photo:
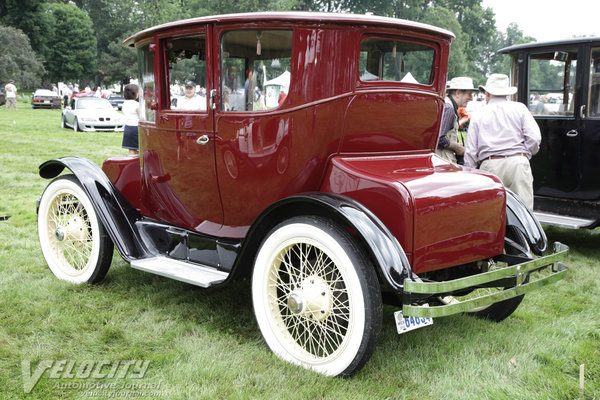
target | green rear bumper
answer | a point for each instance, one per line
(518, 272)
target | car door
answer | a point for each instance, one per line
(555, 97)
(179, 183)
(589, 126)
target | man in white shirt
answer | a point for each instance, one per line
(191, 101)
(11, 95)
(502, 137)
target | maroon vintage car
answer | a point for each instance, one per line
(296, 149)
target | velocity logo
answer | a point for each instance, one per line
(70, 369)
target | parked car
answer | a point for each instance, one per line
(44, 98)
(566, 106)
(331, 200)
(91, 114)
(116, 101)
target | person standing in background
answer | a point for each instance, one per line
(131, 110)
(11, 95)
(502, 137)
(459, 93)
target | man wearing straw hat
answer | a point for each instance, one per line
(459, 93)
(502, 137)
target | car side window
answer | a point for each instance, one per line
(383, 59)
(594, 93)
(552, 78)
(146, 74)
(187, 73)
(255, 69)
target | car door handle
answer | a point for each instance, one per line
(203, 140)
(572, 133)
(213, 103)
(582, 112)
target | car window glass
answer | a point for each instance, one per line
(87, 104)
(187, 73)
(146, 78)
(394, 60)
(552, 82)
(594, 99)
(255, 69)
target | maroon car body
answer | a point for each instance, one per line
(348, 145)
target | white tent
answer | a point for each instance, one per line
(281, 80)
(275, 86)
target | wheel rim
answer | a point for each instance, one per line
(309, 305)
(69, 234)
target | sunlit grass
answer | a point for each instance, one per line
(206, 344)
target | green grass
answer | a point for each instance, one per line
(204, 343)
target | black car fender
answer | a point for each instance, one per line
(522, 218)
(116, 213)
(387, 254)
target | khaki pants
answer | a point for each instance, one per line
(11, 102)
(515, 174)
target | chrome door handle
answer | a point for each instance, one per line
(203, 140)
(572, 133)
(582, 112)
(213, 94)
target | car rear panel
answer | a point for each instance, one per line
(450, 216)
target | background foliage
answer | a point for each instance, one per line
(80, 40)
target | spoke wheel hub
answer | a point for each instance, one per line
(313, 299)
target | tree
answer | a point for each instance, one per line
(26, 15)
(17, 59)
(117, 64)
(73, 52)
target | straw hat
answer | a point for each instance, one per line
(460, 83)
(498, 85)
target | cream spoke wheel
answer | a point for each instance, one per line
(73, 239)
(313, 297)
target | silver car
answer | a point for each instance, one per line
(91, 114)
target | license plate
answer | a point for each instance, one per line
(405, 324)
(47, 101)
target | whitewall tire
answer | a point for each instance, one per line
(73, 240)
(316, 296)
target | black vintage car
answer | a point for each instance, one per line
(560, 82)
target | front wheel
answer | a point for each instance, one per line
(75, 125)
(73, 240)
(316, 296)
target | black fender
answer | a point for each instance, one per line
(522, 218)
(116, 213)
(387, 254)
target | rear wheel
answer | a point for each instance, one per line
(515, 244)
(316, 297)
(73, 240)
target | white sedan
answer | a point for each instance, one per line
(91, 114)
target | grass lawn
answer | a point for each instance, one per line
(204, 343)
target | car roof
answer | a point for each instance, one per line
(553, 43)
(305, 17)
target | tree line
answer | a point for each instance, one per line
(80, 40)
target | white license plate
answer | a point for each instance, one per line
(47, 101)
(405, 324)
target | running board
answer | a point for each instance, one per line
(562, 221)
(198, 275)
